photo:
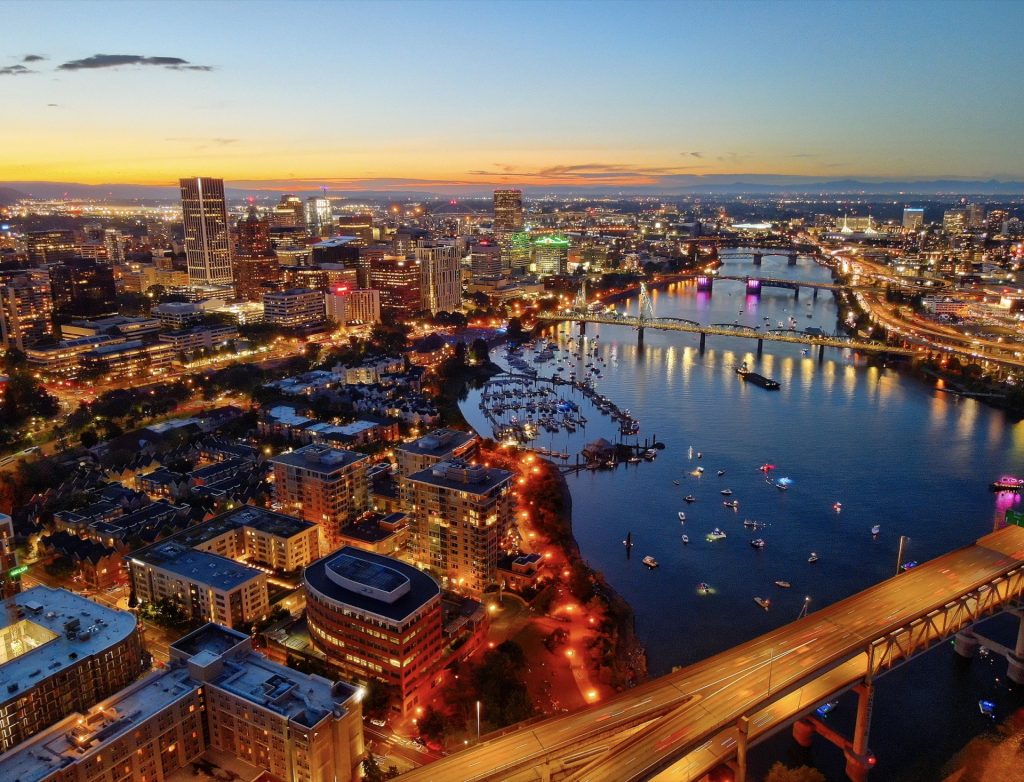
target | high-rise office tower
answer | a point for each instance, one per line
(913, 219)
(440, 279)
(975, 216)
(550, 255)
(288, 213)
(319, 216)
(207, 244)
(48, 246)
(256, 267)
(398, 281)
(83, 287)
(485, 260)
(508, 211)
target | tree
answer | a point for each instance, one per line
(24, 398)
(88, 438)
(479, 350)
(432, 725)
(781, 773)
(371, 771)
(515, 330)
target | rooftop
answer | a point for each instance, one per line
(461, 476)
(78, 734)
(266, 521)
(197, 566)
(50, 630)
(440, 442)
(381, 582)
(319, 458)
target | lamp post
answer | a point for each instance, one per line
(899, 555)
(478, 722)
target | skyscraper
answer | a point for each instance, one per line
(550, 255)
(256, 268)
(207, 244)
(913, 219)
(398, 281)
(288, 213)
(319, 216)
(508, 211)
(440, 280)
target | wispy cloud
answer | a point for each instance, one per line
(119, 60)
(15, 70)
(32, 58)
(203, 143)
(804, 154)
(692, 154)
(592, 173)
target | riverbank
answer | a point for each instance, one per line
(994, 756)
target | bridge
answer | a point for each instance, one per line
(682, 725)
(646, 320)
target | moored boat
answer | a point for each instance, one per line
(783, 584)
(689, 498)
(682, 516)
(764, 602)
(650, 561)
(813, 557)
(757, 543)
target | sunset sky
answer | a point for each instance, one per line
(533, 93)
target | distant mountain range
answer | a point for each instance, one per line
(669, 185)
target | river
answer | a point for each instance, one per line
(893, 450)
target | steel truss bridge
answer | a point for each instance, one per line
(682, 725)
(726, 330)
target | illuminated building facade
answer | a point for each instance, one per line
(440, 278)
(550, 255)
(913, 219)
(485, 259)
(215, 694)
(26, 307)
(508, 211)
(60, 653)
(398, 281)
(83, 287)
(256, 267)
(207, 241)
(325, 485)
(461, 512)
(48, 246)
(319, 216)
(376, 618)
(294, 308)
(288, 213)
(347, 305)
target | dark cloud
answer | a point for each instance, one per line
(32, 58)
(692, 154)
(53, 105)
(118, 60)
(804, 154)
(15, 70)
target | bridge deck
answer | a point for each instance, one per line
(704, 699)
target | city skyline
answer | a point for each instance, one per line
(452, 95)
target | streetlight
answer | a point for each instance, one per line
(478, 722)
(899, 555)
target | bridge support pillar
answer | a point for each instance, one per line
(1015, 673)
(583, 327)
(796, 292)
(791, 259)
(640, 336)
(965, 644)
(859, 759)
(757, 259)
(742, 729)
(703, 338)
(815, 295)
(760, 346)
(821, 354)
(803, 732)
